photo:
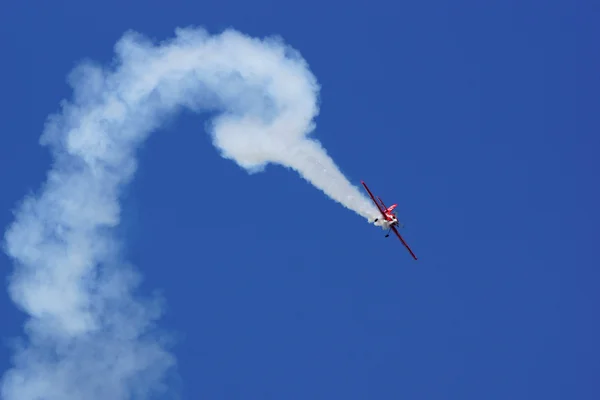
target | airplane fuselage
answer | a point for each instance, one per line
(390, 220)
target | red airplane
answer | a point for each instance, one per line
(390, 218)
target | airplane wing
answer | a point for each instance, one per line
(381, 201)
(403, 242)
(373, 198)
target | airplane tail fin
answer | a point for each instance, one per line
(391, 208)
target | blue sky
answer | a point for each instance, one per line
(478, 119)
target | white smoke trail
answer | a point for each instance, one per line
(89, 336)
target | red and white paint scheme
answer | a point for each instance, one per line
(390, 219)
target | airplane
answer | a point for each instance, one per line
(390, 219)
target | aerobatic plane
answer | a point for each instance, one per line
(390, 219)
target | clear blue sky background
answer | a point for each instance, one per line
(479, 118)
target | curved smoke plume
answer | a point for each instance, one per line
(89, 336)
